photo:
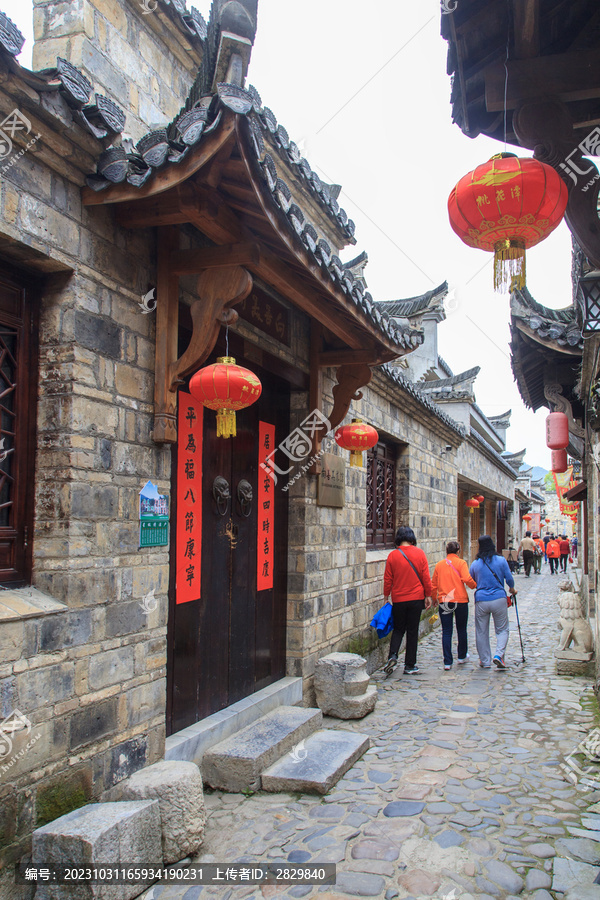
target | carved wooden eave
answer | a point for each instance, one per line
(220, 189)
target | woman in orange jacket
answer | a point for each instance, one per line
(553, 554)
(448, 583)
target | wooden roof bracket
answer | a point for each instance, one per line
(223, 282)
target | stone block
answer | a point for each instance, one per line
(125, 759)
(69, 629)
(342, 686)
(98, 334)
(177, 786)
(127, 832)
(93, 722)
(574, 662)
(317, 763)
(110, 667)
(45, 686)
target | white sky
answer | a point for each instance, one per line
(362, 88)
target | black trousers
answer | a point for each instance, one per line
(553, 564)
(527, 561)
(406, 617)
(563, 561)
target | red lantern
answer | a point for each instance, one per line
(472, 504)
(547, 521)
(480, 498)
(559, 461)
(225, 387)
(356, 438)
(557, 431)
(505, 206)
(527, 518)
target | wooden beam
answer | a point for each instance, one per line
(167, 322)
(566, 76)
(348, 357)
(192, 262)
(526, 18)
(171, 176)
(316, 386)
(170, 208)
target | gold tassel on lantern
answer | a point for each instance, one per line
(356, 457)
(226, 423)
(509, 265)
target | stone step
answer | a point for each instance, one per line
(317, 764)
(237, 762)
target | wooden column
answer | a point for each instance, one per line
(167, 329)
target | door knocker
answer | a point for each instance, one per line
(221, 494)
(244, 496)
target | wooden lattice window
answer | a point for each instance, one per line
(18, 391)
(381, 496)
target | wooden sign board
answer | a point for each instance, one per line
(331, 482)
(267, 315)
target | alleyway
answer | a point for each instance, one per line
(460, 795)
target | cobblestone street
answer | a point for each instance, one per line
(460, 795)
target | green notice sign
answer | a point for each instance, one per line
(154, 517)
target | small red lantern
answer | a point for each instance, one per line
(225, 387)
(472, 504)
(356, 437)
(527, 518)
(557, 431)
(547, 521)
(480, 498)
(505, 206)
(559, 461)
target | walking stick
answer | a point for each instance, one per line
(519, 627)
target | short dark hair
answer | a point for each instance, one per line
(452, 547)
(487, 548)
(527, 534)
(405, 534)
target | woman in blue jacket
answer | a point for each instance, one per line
(491, 571)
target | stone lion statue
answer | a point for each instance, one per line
(575, 629)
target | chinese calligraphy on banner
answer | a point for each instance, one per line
(266, 510)
(189, 499)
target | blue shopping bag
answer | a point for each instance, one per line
(382, 620)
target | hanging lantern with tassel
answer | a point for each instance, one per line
(356, 437)
(225, 387)
(480, 498)
(506, 206)
(527, 519)
(472, 504)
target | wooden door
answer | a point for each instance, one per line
(231, 641)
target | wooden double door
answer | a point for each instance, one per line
(231, 641)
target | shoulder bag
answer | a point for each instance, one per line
(412, 567)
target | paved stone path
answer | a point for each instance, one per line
(461, 795)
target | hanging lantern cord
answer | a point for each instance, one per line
(227, 340)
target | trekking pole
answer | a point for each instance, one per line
(519, 627)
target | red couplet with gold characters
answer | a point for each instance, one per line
(265, 558)
(505, 206)
(188, 543)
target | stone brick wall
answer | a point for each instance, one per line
(91, 678)
(142, 62)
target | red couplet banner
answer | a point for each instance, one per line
(265, 509)
(188, 538)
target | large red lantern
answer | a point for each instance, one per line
(225, 387)
(472, 504)
(480, 498)
(356, 437)
(559, 461)
(557, 431)
(505, 206)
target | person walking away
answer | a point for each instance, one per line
(538, 554)
(564, 553)
(490, 571)
(527, 547)
(574, 543)
(553, 554)
(406, 579)
(448, 582)
(545, 539)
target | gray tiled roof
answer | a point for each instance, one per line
(558, 325)
(412, 306)
(394, 375)
(452, 381)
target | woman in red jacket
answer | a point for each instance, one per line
(407, 579)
